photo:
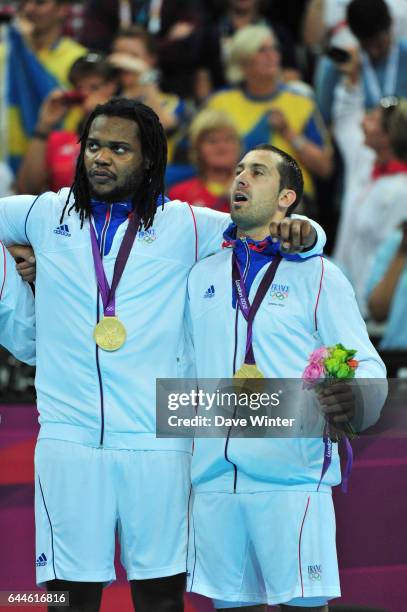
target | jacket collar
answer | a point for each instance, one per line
(119, 209)
(266, 247)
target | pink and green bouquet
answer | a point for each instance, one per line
(329, 362)
(327, 365)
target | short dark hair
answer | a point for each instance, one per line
(154, 150)
(367, 18)
(289, 170)
(90, 65)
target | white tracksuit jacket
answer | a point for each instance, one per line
(85, 394)
(319, 310)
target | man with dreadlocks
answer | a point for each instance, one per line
(112, 264)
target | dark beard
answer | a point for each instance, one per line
(127, 191)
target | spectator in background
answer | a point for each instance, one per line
(104, 18)
(387, 289)
(50, 160)
(189, 53)
(135, 55)
(377, 70)
(44, 20)
(325, 23)
(382, 204)
(182, 41)
(215, 150)
(268, 111)
(39, 59)
(240, 13)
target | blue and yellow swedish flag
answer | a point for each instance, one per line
(28, 78)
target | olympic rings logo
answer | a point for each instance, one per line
(279, 295)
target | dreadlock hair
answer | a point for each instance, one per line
(154, 151)
(289, 170)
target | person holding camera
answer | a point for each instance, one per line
(372, 67)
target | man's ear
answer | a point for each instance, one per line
(286, 198)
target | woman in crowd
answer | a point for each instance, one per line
(214, 150)
(267, 110)
(237, 14)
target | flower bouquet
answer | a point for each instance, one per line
(327, 365)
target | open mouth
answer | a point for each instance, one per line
(239, 197)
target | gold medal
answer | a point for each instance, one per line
(110, 334)
(248, 370)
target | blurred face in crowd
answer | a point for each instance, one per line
(265, 63)
(377, 47)
(218, 149)
(255, 190)
(113, 159)
(43, 14)
(134, 47)
(243, 6)
(375, 136)
(94, 83)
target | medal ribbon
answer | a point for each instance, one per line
(328, 458)
(390, 76)
(327, 453)
(249, 311)
(349, 463)
(108, 293)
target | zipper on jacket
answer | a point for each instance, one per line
(102, 250)
(245, 272)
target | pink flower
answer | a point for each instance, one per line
(318, 356)
(312, 373)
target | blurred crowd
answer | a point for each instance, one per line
(325, 80)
